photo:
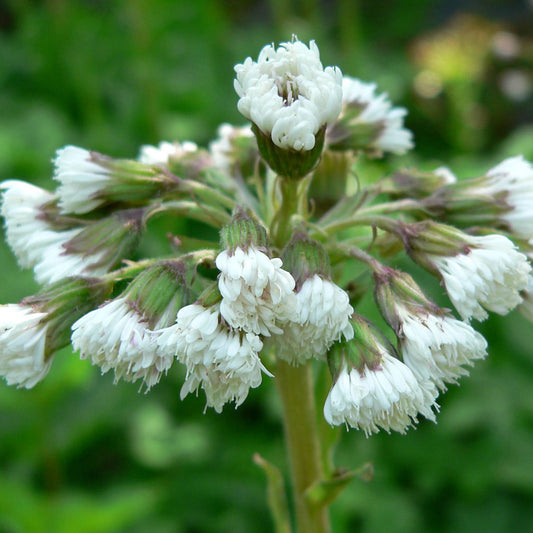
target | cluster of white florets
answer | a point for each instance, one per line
(223, 361)
(36, 244)
(291, 100)
(513, 178)
(437, 348)
(377, 111)
(387, 397)
(165, 151)
(489, 275)
(287, 93)
(321, 317)
(257, 294)
(80, 178)
(23, 358)
(116, 337)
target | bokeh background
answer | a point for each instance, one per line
(79, 454)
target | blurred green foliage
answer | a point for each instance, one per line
(79, 454)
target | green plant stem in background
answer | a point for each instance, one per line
(295, 386)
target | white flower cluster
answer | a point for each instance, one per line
(514, 178)
(35, 243)
(164, 151)
(287, 93)
(377, 110)
(322, 316)
(387, 397)
(221, 149)
(116, 337)
(490, 275)
(436, 348)
(80, 178)
(257, 294)
(22, 345)
(224, 362)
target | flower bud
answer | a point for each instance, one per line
(92, 250)
(235, 150)
(411, 183)
(503, 199)
(165, 152)
(243, 232)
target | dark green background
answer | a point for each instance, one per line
(78, 454)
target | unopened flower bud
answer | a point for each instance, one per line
(411, 183)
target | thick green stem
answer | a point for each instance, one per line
(281, 228)
(295, 385)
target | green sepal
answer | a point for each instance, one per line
(276, 495)
(291, 164)
(117, 236)
(159, 292)
(243, 231)
(64, 302)
(304, 257)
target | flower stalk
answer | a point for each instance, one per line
(296, 390)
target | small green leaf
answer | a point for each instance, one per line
(276, 496)
(324, 492)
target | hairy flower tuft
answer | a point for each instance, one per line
(287, 93)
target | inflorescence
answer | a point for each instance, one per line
(284, 280)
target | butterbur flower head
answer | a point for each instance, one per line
(513, 179)
(479, 272)
(409, 183)
(368, 121)
(89, 180)
(32, 331)
(290, 98)
(222, 361)
(165, 152)
(88, 251)
(23, 360)
(373, 389)
(118, 335)
(257, 294)
(434, 345)
(24, 208)
(235, 150)
(323, 309)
